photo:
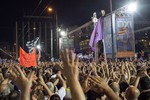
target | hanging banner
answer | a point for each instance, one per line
(108, 36)
(124, 33)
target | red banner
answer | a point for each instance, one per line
(27, 59)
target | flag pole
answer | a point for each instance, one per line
(16, 40)
(112, 37)
(104, 51)
(95, 20)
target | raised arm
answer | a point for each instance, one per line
(22, 82)
(103, 71)
(140, 74)
(128, 72)
(102, 85)
(45, 86)
(107, 70)
(133, 67)
(71, 71)
(63, 82)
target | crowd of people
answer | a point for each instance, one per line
(74, 79)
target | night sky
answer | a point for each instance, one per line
(70, 12)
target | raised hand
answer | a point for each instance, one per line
(45, 86)
(59, 65)
(70, 68)
(143, 73)
(94, 70)
(59, 74)
(103, 87)
(21, 81)
(71, 71)
(100, 83)
(41, 80)
(86, 86)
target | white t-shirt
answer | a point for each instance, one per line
(61, 92)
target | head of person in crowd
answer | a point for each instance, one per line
(132, 93)
(55, 97)
(38, 94)
(144, 83)
(4, 90)
(51, 86)
(92, 95)
(123, 86)
(145, 95)
(14, 95)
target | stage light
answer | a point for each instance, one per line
(38, 47)
(62, 33)
(132, 7)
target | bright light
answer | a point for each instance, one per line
(132, 7)
(62, 33)
(50, 9)
(38, 47)
(34, 28)
(58, 29)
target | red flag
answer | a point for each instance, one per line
(27, 59)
